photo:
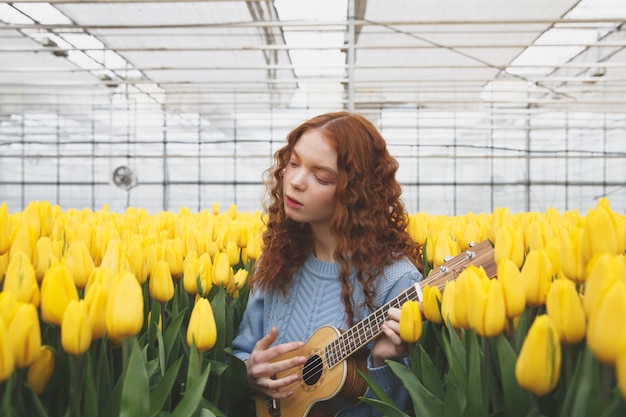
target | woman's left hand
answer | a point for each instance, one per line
(389, 345)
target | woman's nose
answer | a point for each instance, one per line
(297, 181)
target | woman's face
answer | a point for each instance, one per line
(310, 180)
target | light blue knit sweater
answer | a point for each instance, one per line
(313, 301)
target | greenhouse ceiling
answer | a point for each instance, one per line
(224, 57)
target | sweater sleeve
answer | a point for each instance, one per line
(251, 327)
(383, 375)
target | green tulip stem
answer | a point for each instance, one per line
(607, 383)
(162, 317)
(512, 332)
(76, 364)
(485, 368)
(125, 354)
(535, 412)
(569, 363)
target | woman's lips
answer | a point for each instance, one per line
(292, 203)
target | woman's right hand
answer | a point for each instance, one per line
(262, 372)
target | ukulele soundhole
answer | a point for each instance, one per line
(312, 372)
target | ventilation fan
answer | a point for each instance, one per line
(124, 177)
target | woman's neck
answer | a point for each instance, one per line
(324, 244)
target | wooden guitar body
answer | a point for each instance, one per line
(320, 390)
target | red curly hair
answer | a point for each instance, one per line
(369, 220)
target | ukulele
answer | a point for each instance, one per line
(329, 381)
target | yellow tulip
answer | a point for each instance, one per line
(464, 296)
(432, 304)
(161, 285)
(510, 245)
(134, 253)
(234, 253)
(620, 367)
(603, 270)
(7, 360)
(513, 288)
(488, 314)
(202, 328)
(253, 250)
(46, 256)
(221, 269)
(444, 247)
(124, 313)
(57, 290)
(600, 232)
(25, 335)
(539, 362)
(468, 234)
(85, 232)
(606, 322)
(4, 263)
(501, 216)
(172, 252)
(565, 309)
(536, 274)
(22, 240)
(115, 256)
(31, 217)
(40, 371)
(205, 272)
(410, 322)
(572, 261)
(96, 298)
(79, 262)
(102, 275)
(191, 275)
(241, 277)
(75, 328)
(447, 304)
(21, 279)
(5, 229)
(150, 256)
(8, 305)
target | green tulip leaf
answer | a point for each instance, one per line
(375, 388)
(583, 394)
(102, 374)
(90, 395)
(153, 325)
(205, 412)
(34, 405)
(191, 400)
(616, 406)
(160, 393)
(429, 375)
(387, 409)
(425, 402)
(113, 405)
(7, 405)
(475, 378)
(455, 398)
(135, 391)
(161, 351)
(517, 401)
(455, 353)
(170, 337)
(194, 367)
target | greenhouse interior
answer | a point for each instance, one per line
(176, 241)
(171, 104)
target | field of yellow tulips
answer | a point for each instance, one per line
(133, 314)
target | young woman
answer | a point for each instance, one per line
(335, 249)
